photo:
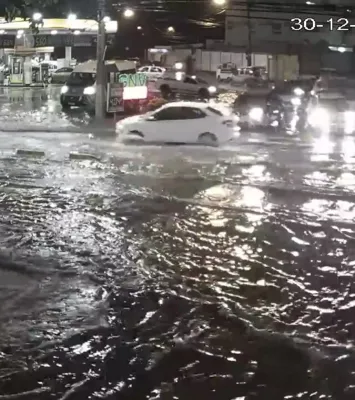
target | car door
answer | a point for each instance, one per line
(144, 70)
(66, 73)
(60, 75)
(161, 125)
(155, 72)
(191, 123)
(178, 124)
(189, 86)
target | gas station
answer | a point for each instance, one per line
(27, 57)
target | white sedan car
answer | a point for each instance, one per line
(180, 123)
(152, 71)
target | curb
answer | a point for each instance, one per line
(31, 153)
(23, 87)
(74, 130)
(73, 156)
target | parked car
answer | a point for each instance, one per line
(152, 71)
(180, 123)
(61, 75)
(226, 71)
(180, 83)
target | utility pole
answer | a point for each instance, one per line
(249, 27)
(100, 66)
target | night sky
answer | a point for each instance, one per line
(194, 20)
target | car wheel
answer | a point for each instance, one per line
(137, 137)
(65, 106)
(165, 92)
(203, 94)
(208, 139)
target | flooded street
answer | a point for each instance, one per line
(177, 272)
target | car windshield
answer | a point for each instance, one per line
(81, 79)
(215, 111)
(199, 80)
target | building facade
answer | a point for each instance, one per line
(307, 28)
(266, 25)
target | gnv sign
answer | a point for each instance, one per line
(127, 87)
(133, 80)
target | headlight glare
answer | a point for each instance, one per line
(298, 92)
(256, 114)
(89, 90)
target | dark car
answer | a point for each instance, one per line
(294, 93)
(259, 109)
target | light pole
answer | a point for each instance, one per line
(249, 28)
(100, 62)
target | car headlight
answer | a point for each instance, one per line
(296, 101)
(64, 89)
(298, 92)
(256, 114)
(212, 89)
(319, 118)
(89, 90)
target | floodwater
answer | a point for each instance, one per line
(179, 273)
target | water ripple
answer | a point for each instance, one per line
(176, 273)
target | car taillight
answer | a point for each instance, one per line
(228, 122)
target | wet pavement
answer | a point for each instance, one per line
(24, 109)
(177, 272)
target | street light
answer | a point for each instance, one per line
(37, 16)
(128, 13)
(219, 2)
(71, 17)
(139, 28)
(171, 29)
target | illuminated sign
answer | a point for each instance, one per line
(127, 87)
(133, 80)
(53, 41)
(7, 41)
(135, 93)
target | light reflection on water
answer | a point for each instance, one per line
(180, 272)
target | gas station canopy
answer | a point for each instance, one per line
(54, 33)
(64, 26)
